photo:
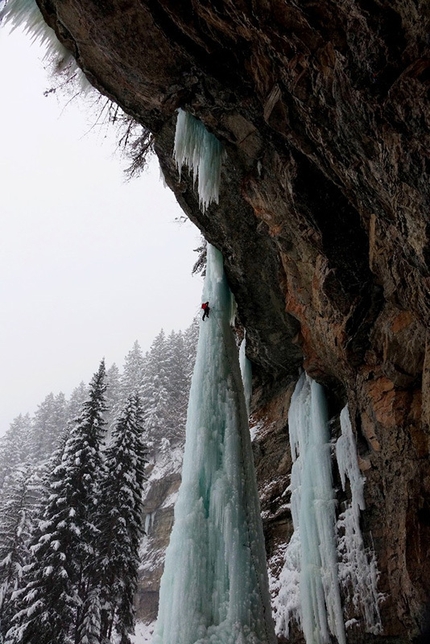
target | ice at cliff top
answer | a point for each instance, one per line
(309, 582)
(25, 14)
(202, 153)
(324, 556)
(358, 571)
(214, 587)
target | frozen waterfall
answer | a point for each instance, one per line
(214, 587)
(358, 571)
(309, 581)
(324, 557)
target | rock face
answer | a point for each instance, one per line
(160, 491)
(323, 109)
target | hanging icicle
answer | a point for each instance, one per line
(358, 572)
(202, 153)
(310, 571)
(246, 371)
(25, 14)
(214, 588)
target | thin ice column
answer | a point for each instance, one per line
(214, 587)
(358, 570)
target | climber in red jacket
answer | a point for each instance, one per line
(206, 309)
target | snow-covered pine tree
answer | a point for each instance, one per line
(200, 264)
(191, 337)
(62, 573)
(132, 375)
(177, 386)
(155, 395)
(77, 398)
(121, 523)
(14, 447)
(16, 520)
(49, 422)
(113, 396)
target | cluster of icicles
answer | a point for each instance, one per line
(324, 555)
(202, 153)
(26, 15)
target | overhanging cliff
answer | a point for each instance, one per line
(323, 109)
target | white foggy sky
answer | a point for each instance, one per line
(88, 262)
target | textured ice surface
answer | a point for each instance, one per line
(25, 14)
(246, 371)
(310, 588)
(214, 588)
(202, 153)
(358, 571)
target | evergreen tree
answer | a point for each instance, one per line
(199, 267)
(16, 516)
(14, 447)
(121, 526)
(155, 395)
(78, 397)
(58, 581)
(178, 384)
(113, 395)
(48, 423)
(133, 373)
(191, 337)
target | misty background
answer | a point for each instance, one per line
(89, 263)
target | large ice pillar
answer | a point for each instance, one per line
(214, 587)
(313, 545)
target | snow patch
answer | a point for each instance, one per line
(143, 633)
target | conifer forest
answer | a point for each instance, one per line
(71, 481)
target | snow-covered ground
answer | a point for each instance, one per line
(143, 633)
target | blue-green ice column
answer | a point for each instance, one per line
(214, 588)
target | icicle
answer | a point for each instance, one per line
(202, 153)
(214, 588)
(358, 571)
(313, 513)
(246, 371)
(287, 605)
(346, 456)
(233, 310)
(26, 14)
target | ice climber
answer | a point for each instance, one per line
(206, 309)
